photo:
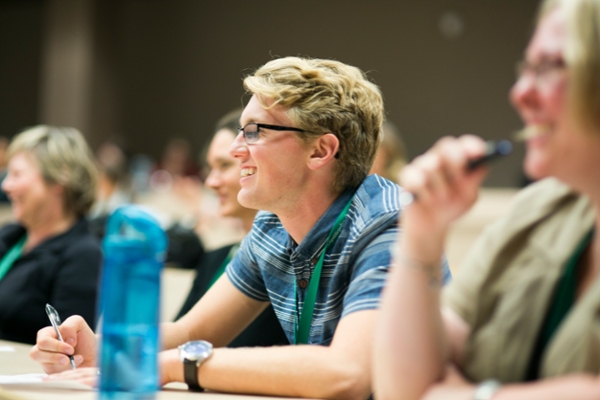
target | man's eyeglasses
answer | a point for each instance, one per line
(251, 130)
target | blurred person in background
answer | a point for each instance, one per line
(114, 185)
(3, 161)
(224, 179)
(48, 256)
(391, 154)
(176, 161)
(166, 196)
(115, 189)
(521, 318)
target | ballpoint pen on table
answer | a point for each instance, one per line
(55, 321)
(494, 150)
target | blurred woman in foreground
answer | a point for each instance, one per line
(525, 304)
(49, 256)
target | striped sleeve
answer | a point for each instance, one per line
(244, 274)
(369, 273)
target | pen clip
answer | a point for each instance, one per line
(54, 320)
(53, 314)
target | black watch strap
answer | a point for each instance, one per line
(190, 373)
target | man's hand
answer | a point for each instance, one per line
(170, 366)
(80, 342)
(87, 376)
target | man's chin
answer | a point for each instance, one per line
(245, 200)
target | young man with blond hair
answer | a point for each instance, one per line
(319, 253)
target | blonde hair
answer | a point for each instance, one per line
(65, 159)
(326, 96)
(582, 57)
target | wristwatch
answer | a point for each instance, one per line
(486, 389)
(193, 354)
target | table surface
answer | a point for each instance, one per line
(18, 362)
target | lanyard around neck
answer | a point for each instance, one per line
(561, 303)
(11, 256)
(305, 318)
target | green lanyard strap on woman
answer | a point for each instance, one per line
(562, 301)
(303, 327)
(224, 265)
(11, 256)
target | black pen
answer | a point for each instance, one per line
(493, 151)
(55, 321)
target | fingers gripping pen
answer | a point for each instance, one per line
(55, 321)
(493, 151)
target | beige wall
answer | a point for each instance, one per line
(171, 68)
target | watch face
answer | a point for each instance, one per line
(196, 350)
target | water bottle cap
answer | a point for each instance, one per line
(130, 226)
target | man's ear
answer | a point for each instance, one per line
(325, 149)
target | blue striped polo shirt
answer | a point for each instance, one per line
(269, 263)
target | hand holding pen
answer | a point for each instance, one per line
(443, 183)
(55, 321)
(493, 151)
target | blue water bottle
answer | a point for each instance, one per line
(134, 251)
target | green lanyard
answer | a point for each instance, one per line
(223, 265)
(302, 329)
(563, 299)
(11, 256)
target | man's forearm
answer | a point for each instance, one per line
(297, 371)
(172, 335)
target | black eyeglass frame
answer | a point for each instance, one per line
(266, 126)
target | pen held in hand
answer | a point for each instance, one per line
(494, 150)
(55, 321)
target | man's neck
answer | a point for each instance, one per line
(247, 220)
(299, 221)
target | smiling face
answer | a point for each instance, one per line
(559, 149)
(274, 170)
(224, 176)
(29, 193)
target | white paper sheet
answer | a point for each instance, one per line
(6, 349)
(35, 381)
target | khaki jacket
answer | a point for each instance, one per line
(504, 288)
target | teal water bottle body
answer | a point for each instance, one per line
(134, 249)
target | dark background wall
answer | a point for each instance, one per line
(20, 56)
(155, 69)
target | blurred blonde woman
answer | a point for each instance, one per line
(48, 256)
(521, 319)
